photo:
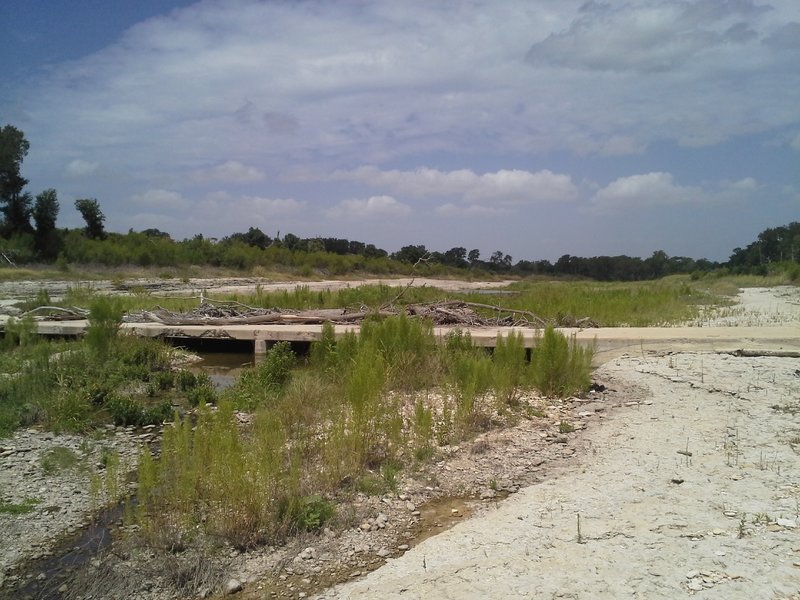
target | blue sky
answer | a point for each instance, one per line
(535, 127)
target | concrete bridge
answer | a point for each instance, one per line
(608, 341)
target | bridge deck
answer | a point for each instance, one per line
(608, 341)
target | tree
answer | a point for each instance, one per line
(17, 213)
(410, 254)
(474, 256)
(91, 213)
(456, 257)
(13, 149)
(45, 211)
(16, 204)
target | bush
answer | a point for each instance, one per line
(560, 367)
(105, 317)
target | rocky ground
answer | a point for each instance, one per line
(683, 468)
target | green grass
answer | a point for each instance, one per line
(26, 506)
(668, 301)
(349, 420)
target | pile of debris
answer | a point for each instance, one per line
(451, 312)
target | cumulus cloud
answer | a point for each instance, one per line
(648, 37)
(231, 171)
(500, 187)
(81, 168)
(660, 189)
(650, 189)
(163, 199)
(369, 208)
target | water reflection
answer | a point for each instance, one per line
(222, 367)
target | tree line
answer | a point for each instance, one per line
(28, 233)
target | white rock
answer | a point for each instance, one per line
(788, 523)
(233, 586)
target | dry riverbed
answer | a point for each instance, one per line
(683, 468)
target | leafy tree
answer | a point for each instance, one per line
(17, 212)
(13, 149)
(46, 238)
(157, 233)
(94, 217)
(474, 256)
(16, 204)
(410, 254)
(456, 257)
(291, 241)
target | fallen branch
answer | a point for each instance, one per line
(762, 353)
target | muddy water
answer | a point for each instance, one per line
(440, 515)
(223, 368)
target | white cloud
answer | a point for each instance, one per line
(162, 199)
(229, 172)
(746, 184)
(270, 206)
(81, 168)
(369, 208)
(660, 189)
(650, 189)
(472, 210)
(501, 187)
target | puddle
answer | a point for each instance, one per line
(440, 515)
(223, 368)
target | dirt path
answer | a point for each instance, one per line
(693, 490)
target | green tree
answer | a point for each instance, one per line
(13, 149)
(16, 205)
(46, 238)
(91, 213)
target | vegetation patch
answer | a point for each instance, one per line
(361, 410)
(22, 508)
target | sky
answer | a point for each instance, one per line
(535, 127)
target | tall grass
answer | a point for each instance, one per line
(349, 420)
(560, 367)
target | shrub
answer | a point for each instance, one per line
(267, 379)
(560, 367)
(509, 368)
(105, 317)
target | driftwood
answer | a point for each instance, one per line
(451, 312)
(64, 314)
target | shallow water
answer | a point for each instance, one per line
(223, 368)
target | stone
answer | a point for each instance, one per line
(403, 547)
(233, 586)
(383, 553)
(787, 523)
(411, 506)
(488, 494)
(695, 585)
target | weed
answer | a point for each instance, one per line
(742, 529)
(26, 506)
(105, 316)
(565, 427)
(58, 459)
